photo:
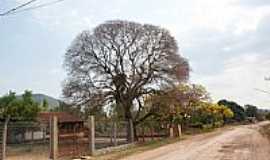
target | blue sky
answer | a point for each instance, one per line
(226, 41)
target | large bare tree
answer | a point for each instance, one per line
(119, 62)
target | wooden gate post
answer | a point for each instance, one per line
(91, 126)
(53, 138)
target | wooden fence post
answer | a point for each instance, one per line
(152, 133)
(4, 140)
(143, 132)
(91, 126)
(53, 138)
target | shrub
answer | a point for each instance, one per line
(218, 124)
(267, 116)
(207, 127)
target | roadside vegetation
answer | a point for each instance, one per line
(124, 71)
(137, 148)
(135, 71)
(265, 130)
(127, 71)
(22, 108)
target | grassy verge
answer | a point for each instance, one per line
(138, 148)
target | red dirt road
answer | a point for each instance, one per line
(239, 143)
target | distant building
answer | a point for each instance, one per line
(67, 123)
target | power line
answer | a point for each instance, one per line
(16, 8)
(38, 6)
(33, 7)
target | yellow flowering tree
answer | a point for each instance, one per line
(187, 103)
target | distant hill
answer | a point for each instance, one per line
(52, 102)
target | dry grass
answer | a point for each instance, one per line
(138, 148)
(265, 131)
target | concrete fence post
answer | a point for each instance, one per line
(179, 130)
(171, 131)
(91, 126)
(53, 138)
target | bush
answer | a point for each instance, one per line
(267, 116)
(196, 125)
(207, 127)
(218, 124)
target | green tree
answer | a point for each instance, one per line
(45, 105)
(178, 102)
(251, 111)
(238, 111)
(188, 104)
(12, 107)
(210, 113)
(267, 116)
(22, 108)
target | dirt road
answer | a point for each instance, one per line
(239, 143)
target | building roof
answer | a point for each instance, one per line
(63, 117)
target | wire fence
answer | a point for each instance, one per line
(110, 133)
(32, 140)
(151, 130)
(26, 140)
(73, 141)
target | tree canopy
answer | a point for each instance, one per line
(119, 62)
(187, 103)
(251, 111)
(15, 108)
(178, 101)
(239, 111)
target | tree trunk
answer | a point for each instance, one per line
(129, 121)
(130, 131)
(135, 132)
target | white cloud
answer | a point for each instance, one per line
(226, 42)
(254, 3)
(180, 14)
(239, 79)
